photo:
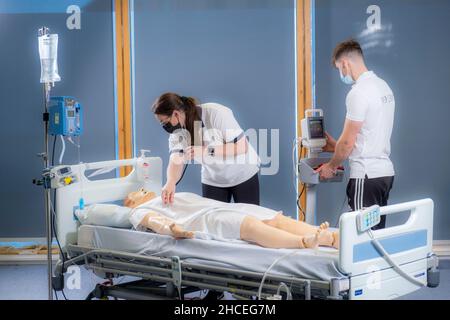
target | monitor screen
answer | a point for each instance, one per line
(316, 129)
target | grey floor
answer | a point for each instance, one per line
(28, 282)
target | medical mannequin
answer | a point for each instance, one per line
(279, 232)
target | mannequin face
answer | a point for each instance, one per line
(137, 198)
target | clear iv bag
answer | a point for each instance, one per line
(48, 53)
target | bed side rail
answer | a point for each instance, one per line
(405, 243)
(98, 191)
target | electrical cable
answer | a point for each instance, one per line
(294, 162)
(288, 291)
(182, 175)
(270, 268)
(53, 150)
(396, 267)
(54, 231)
(182, 152)
(56, 237)
(299, 206)
(63, 150)
(295, 172)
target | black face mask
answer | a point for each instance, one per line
(171, 128)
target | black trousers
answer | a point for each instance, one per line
(363, 193)
(246, 192)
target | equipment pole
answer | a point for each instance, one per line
(48, 213)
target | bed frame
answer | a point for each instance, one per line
(368, 275)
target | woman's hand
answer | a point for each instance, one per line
(168, 193)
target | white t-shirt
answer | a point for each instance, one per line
(372, 102)
(220, 127)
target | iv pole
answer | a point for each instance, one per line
(48, 214)
(46, 179)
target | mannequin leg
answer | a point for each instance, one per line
(326, 238)
(290, 225)
(255, 230)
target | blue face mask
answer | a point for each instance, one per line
(347, 79)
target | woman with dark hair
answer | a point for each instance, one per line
(209, 134)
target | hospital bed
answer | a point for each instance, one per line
(165, 268)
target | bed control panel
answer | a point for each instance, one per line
(368, 218)
(62, 176)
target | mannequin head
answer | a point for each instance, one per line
(137, 198)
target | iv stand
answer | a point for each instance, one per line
(46, 180)
(48, 213)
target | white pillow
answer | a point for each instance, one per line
(108, 215)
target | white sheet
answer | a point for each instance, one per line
(206, 217)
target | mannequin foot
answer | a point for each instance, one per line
(324, 225)
(311, 241)
(328, 238)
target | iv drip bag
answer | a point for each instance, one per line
(48, 53)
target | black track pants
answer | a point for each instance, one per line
(363, 193)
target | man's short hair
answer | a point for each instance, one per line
(344, 48)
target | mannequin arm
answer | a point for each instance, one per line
(165, 226)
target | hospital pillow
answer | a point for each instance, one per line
(107, 215)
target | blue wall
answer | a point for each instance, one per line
(86, 68)
(238, 53)
(411, 53)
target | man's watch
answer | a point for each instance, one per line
(211, 151)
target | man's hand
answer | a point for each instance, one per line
(326, 171)
(331, 143)
(195, 153)
(168, 193)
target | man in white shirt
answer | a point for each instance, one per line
(365, 140)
